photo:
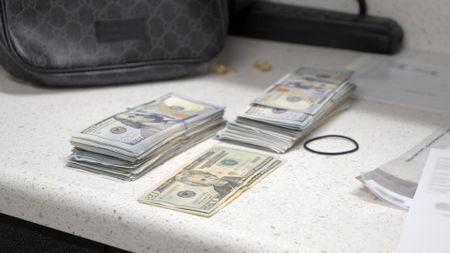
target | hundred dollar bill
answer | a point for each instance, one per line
(324, 75)
(213, 179)
(299, 95)
(296, 93)
(102, 164)
(290, 109)
(108, 161)
(283, 117)
(132, 134)
(278, 131)
(128, 144)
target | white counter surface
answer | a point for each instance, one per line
(311, 204)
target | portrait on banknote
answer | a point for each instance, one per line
(148, 123)
(221, 185)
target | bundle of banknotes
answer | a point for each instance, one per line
(128, 144)
(289, 109)
(212, 180)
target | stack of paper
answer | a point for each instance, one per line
(428, 223)
(396, 181)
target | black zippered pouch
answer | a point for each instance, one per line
(101, 42)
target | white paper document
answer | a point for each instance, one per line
(396, 181)
(402, 82)
(427, 227)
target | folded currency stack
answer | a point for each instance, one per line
(130, 143)
(211, 181)
(289, 109)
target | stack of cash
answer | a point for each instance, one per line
(211, 181)
(289, 109)
(132, 142)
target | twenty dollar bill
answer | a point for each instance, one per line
(212, 180)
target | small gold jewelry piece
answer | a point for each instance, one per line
(222, 69)
(263, 66)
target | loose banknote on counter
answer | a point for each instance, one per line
(212, 180)
(290, 109)
(128, 144)
(396, 181)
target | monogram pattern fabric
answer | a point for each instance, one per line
(85, 42)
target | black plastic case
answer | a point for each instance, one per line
(318, 27)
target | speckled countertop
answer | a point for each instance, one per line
(311, 204)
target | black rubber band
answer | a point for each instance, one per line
(331, 153)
